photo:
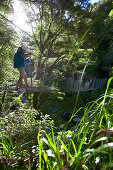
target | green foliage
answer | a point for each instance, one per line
(84, 145)
(6, 51)
(86, 142)
(7, 146)
(102, 33)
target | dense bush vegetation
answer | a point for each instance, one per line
(63, 129)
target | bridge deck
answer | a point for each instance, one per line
(30, 89)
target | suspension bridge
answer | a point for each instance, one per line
(39, 76)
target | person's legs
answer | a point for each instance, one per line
(20, 78)
(21, 71)
(25, 79)
(22, 75)
(18, 83)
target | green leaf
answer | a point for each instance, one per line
(66, 149)
(40, 151)
(111, 14)
(53, 136)
(74, 147)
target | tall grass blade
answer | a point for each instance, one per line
(54, 150)
(66, 149)
(70, 121)
(53, 136)
(105, 34)
(74, 147)
(50, 143)
(84, 135)
(80, 86)
(40, 151)
(105, 95)
(5, 149)
(102, 104)
(58, 151)
(47, 161)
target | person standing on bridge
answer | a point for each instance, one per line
(19, 63)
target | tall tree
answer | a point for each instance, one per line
(56, 24)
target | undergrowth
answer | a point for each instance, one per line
(29, 139)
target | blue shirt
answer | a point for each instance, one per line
(19, 61)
